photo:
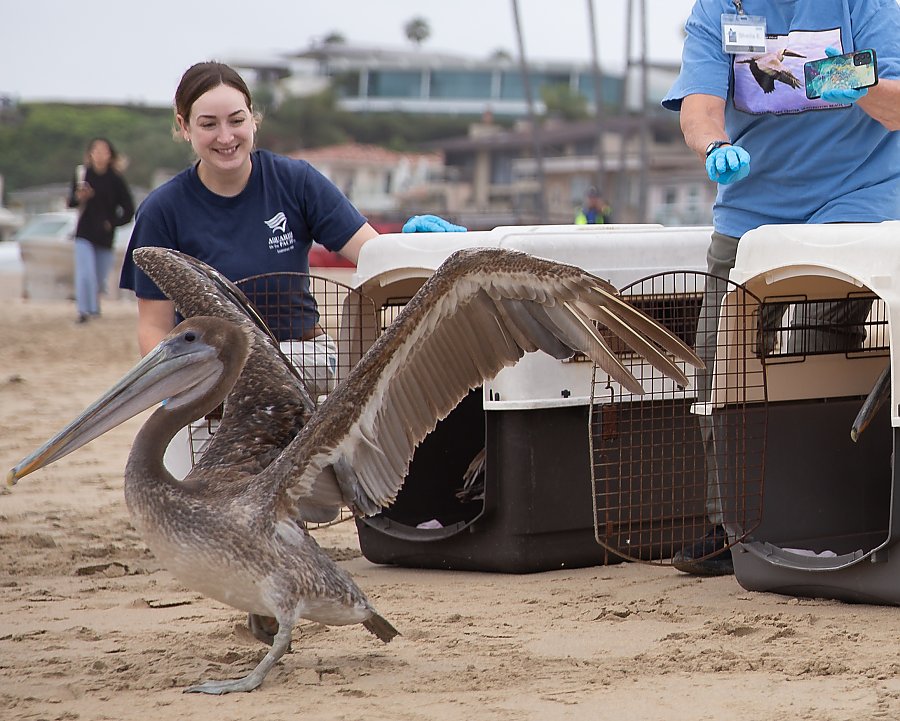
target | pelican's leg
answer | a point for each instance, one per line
(263, 628)
(253, 679)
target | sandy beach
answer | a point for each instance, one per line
(92, 627)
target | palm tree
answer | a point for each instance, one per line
(532, 118)
(417, 30)
(598, 96)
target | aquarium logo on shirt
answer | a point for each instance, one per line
(282, 239)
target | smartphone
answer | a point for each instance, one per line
(850, 71)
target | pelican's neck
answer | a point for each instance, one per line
(145, 462)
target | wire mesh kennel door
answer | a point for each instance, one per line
(668, 465)
(346, 317)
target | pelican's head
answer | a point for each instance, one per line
(192, 368)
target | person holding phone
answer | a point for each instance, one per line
(780, 157)
(104, 202)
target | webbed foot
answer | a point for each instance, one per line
(253, 679)
(217, 688)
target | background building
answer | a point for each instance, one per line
(537, 170)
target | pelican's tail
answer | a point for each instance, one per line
(380, 627)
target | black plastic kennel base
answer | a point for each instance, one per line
(536, 514)
(826, 520)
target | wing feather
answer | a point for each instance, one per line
(645, 325)
(542, 334)
(647, 350)
(552, 339)
(584, 337)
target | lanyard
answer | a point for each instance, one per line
(739, 6)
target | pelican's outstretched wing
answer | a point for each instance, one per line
(483, 309)
(269, 403)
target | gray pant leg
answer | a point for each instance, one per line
(720, 259)
(828, 327)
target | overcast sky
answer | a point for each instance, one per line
(136, 50)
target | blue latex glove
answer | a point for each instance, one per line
(728, 164)
(849, 95)
(846, 96)
(431, 224)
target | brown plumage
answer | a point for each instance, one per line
(234, 528)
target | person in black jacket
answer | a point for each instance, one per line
(104, 201)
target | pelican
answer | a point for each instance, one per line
(768, 68)
(234, 528)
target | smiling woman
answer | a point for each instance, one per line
(241, 210)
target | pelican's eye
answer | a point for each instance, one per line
(190, 336)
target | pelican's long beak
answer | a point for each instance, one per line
(181, 361)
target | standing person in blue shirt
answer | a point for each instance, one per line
(779, 157)
(104, 202)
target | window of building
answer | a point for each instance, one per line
(460, 84)
(610, 88)
(346, 84)
(512, 87)
(501, 169)
(395, 84)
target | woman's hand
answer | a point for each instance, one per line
(84, 193)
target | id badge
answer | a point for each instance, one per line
(743, 34)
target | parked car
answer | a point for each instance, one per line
(9, 223)
(48, 256)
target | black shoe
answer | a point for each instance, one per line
(82, 318)
(718, 562)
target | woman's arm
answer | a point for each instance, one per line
(351, 249)
(702, 121)
(155, 319)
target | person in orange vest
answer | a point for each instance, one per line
(595, 209)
